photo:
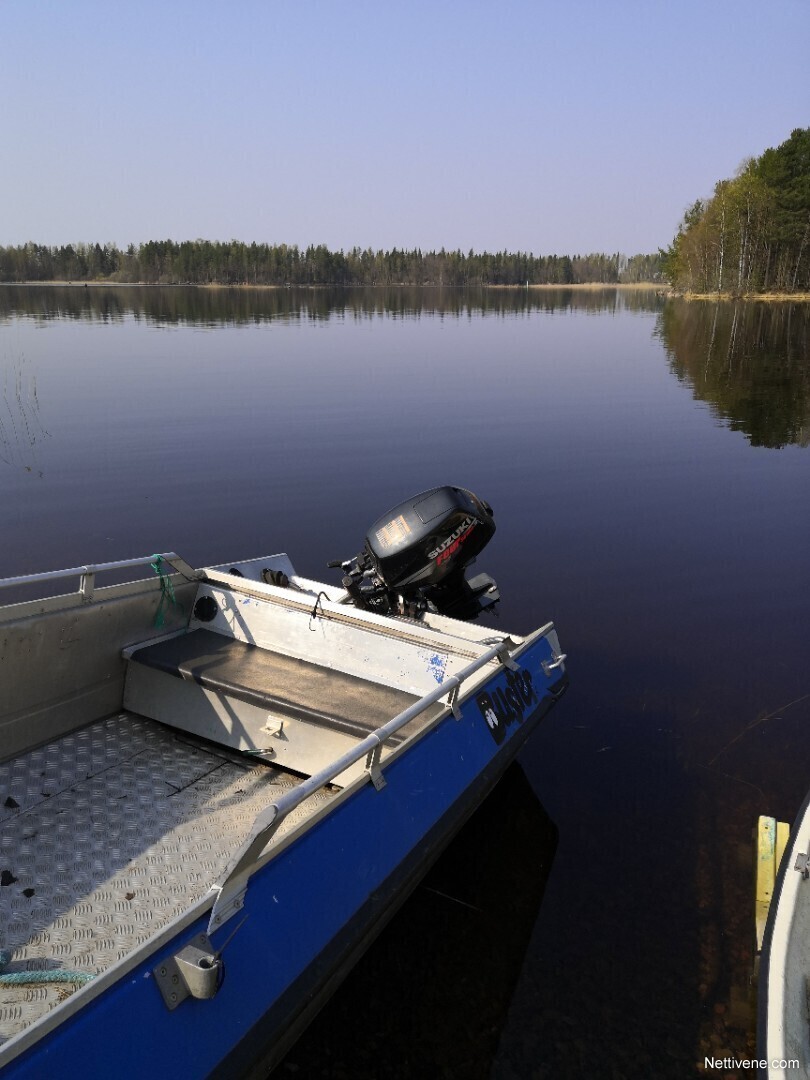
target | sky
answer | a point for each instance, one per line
(553, 128)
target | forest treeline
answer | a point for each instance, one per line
(753, 234)
(204, 262)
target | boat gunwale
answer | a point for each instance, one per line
(328, 609)
(45, 605)
(91, 569)
(369, 621)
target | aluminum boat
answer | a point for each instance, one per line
(217, 785)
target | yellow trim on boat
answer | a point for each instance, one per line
(772, 839)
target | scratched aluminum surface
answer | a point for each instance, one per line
(105, 836)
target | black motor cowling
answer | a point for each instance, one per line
(415, 556)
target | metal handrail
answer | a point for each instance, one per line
(232, 890)
(376, 739)
(86, 574)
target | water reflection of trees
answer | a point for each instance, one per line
(750, 361)
(240, 306)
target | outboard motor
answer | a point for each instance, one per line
(415, 556)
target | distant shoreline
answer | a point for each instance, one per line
(585, 286)
(795, 298)
(594, 285)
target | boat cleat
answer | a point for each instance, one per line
(196, 971)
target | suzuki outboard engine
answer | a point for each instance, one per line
(415, 556)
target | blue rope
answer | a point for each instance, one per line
(53, 975)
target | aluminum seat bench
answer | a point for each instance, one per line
(279, 684)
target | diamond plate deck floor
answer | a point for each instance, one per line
(105, 836)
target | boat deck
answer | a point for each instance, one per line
(109, 833)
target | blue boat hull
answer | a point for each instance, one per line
(311, 911)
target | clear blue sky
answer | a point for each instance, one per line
(518, 124)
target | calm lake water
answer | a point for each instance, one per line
(649, 466)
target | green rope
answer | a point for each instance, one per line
(27, 978)
(166, 591)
